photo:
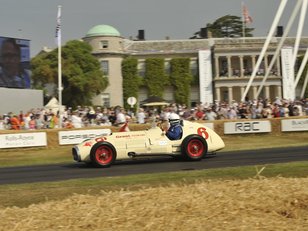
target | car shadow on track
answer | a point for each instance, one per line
(139, 160)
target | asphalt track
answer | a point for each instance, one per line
(58, 172)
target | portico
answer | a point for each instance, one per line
(234, 63)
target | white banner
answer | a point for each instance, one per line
(287, 73)
(292, 125)
(76, 137)
(19, 140)
(205, 77)
(247, 127)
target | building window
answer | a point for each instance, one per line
(167, 67)
(223, 67)
(141, 69)
(194, 67)
(105, 99)
(105, 67)
(104, 44)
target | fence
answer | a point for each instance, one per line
(59, 137)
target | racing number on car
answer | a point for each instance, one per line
(202, 132)
(89, 144)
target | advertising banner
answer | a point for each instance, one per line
(19, 140)
(205, 77)
(287, 73)
(247, 127)
(292, 125)
(76, 137)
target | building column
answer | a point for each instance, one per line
(217, 92)
(254, 92)
(229, 66)
(242, 91)
(278, 67)
(230, 95)
(217, 67)
(265, 63)
(278, 89)
(241, 66)
(267, 92)
(253, 58)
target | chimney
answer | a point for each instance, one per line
(203, 32)
(279, 31)
(209, 34)
(141, 35)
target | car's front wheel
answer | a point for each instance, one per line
(194, 147)
(103, 154)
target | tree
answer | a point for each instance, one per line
(229, 26)
(181, 79)
(155, 77)
(131, 80)
(82, 77)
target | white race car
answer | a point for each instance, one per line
(197, 140)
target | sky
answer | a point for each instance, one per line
(178, 19)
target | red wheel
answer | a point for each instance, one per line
(194, 147)
(103, 154)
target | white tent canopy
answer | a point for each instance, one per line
(53, 104)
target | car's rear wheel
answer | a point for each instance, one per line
(103, 154)
(194, 147)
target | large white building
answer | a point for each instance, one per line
(232, 62)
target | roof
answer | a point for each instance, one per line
(164, 46)
(103, 30)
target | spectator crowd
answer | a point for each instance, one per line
(117, 116)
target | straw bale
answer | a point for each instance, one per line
(252, 204)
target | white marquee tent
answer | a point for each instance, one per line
(53, 104)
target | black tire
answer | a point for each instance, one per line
(194, 147)
(103, 155)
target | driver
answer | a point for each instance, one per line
(175, 130)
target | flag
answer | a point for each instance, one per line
(246, 17)
(58, 27)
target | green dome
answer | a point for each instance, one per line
(103, 30)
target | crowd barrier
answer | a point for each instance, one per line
(60, 137)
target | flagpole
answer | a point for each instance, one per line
(245, 19)
(243, 22)
(59, 66)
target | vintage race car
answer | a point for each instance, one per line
(197, 140)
